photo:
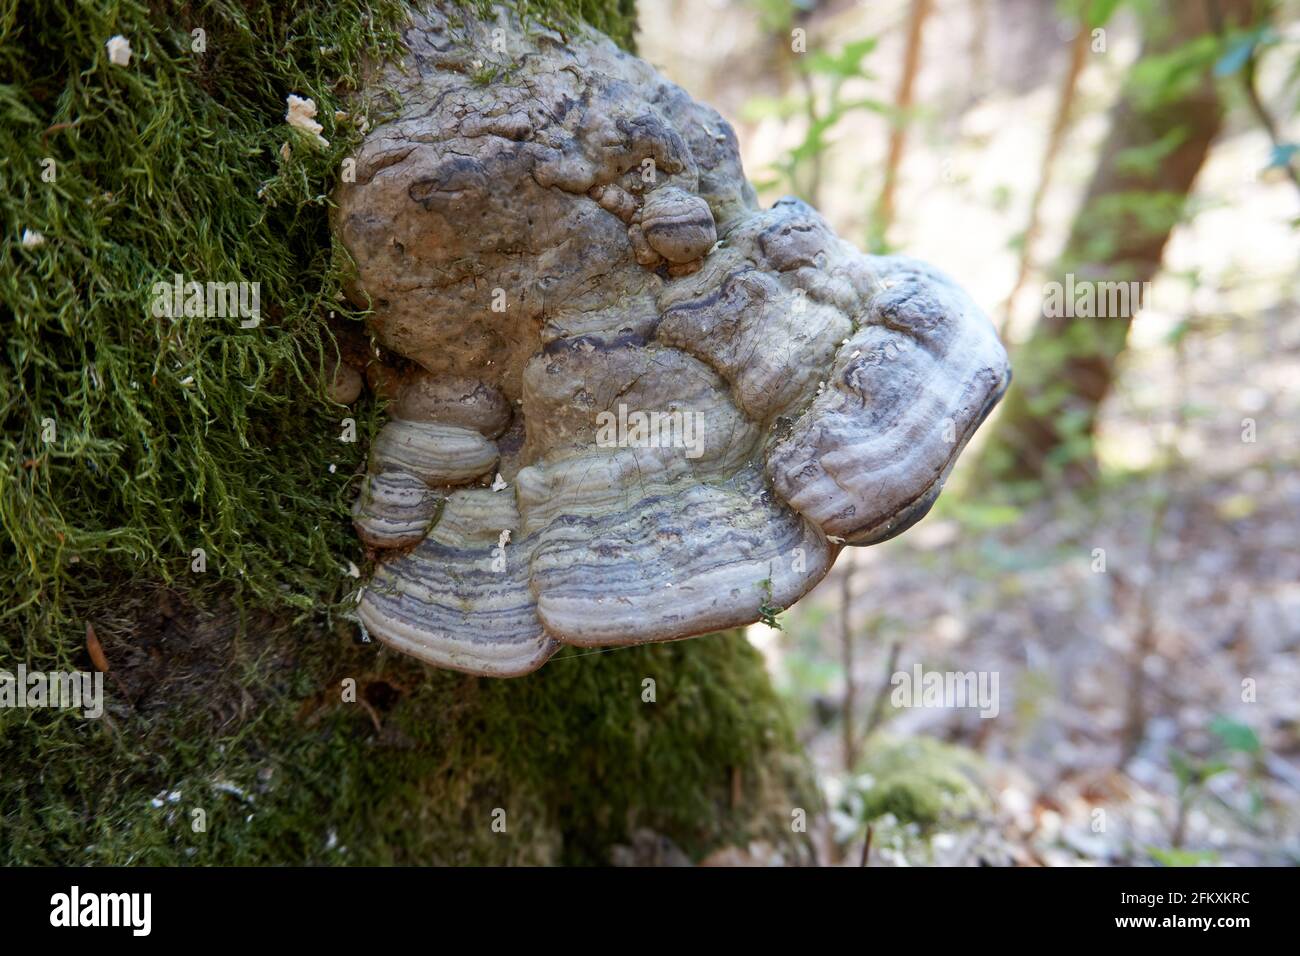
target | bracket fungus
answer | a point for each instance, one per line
(628, 404)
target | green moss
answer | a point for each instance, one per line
(919, 780)
(413, 770)
(174, 434)
(615, 18)
(171, 435)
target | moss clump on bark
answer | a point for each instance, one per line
(291, 746)
(921, 781)
(614, 18)
(129, 440)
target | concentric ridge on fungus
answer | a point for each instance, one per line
(574, 243)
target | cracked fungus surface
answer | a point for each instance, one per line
(557, 241)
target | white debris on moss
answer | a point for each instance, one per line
(302, 115)
(32, 239)
(119, 50)
(225, 786)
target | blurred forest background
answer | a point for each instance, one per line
(1120, 544)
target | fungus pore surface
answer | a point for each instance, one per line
(628, 404)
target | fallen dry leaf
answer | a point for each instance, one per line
(96, 650)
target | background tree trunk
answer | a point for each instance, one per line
(1162, 128)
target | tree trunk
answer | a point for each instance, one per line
(246, 721)
(1159, 138)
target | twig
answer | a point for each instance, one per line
(882, 694)
(902, 102)
(1144, 643)
(846, 657)
(1064, 111)
(58, 126)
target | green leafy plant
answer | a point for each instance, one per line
(822, 104)
(768, 610)
(1233, 739)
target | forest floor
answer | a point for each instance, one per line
(1163, 691)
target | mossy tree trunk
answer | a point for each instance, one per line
(247, 721)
